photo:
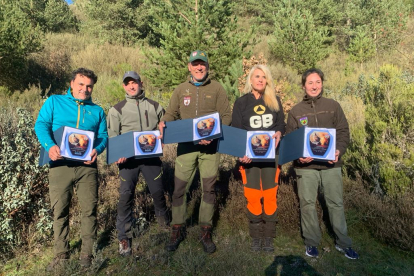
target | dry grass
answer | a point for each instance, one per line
(389, 219)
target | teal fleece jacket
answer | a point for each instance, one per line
(65, 110)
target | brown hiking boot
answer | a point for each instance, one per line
(85, 261)
(58, 262)
(125, 247)
(177, 236)
(205, 239)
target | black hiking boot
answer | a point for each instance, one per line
(268, 244)
(256, 244)
(163, 223)
(256, 232)
(177, 236)
(269, 232)
(205, 239)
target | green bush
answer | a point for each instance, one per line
(23, 186)
(382, 149)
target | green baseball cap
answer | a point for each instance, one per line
(198, 55)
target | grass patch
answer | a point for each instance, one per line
(233, 256)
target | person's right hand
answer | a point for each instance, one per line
(161, 126)
(54, 153)
(245, 160)
(205, 142)
(121, 160)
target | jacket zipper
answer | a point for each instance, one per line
(146, 117)
(314, 111)
(197, 102)
(79, 110)
(139, 114)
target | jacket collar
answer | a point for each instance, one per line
(138, 97)
(310, 100)
(206, 80)
(70, 96)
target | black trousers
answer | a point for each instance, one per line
(128, 174)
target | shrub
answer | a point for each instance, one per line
(381, 149)
(23, 183)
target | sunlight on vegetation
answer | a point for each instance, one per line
(365, 48)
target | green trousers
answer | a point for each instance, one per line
(63, 181)
(185, 167)
(330, 180)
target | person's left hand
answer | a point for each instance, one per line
(245, 160)
(336, 157)
(277, 136)
(93, 155)
(204, 142)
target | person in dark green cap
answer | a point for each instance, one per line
(196, 97)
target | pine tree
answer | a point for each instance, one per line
(118, 22)
(362, 47)
(384, 22)
(18, 37)
(231, 80)
(298, 42)
(50, 15)
(184, 26)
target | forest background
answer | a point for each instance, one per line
(365, 48)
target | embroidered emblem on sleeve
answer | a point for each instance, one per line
(187, 101)
(304, 121)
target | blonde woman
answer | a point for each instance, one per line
(260, 109)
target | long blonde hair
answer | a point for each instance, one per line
(269, 95)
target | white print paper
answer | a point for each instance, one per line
(320, 143)
(260, 145)
(146, 143)
(77, 144)
(206, 126)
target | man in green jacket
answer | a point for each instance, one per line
(136, 113)
(321, 112)
(196, 97)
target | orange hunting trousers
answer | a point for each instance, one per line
(260, 181)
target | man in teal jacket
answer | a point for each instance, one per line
(75, 109)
